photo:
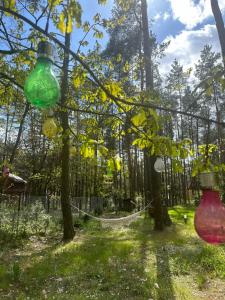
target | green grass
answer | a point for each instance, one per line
(132, 263)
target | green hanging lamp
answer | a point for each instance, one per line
(42, 87)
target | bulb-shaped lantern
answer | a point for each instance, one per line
(159, 165)
(210, 215)
(41, 87)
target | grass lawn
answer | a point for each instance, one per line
(132, 263)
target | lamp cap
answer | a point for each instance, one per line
(208, 180)
(45, 49)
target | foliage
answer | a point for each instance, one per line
(32, 220)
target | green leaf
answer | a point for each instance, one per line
(97, 18)
(98, 34)
(126, 67)
(114, 164)
(103, 151)
(139, 119)
(177, 166)
(209, 91)
(86, 26)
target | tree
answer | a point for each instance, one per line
(220, 26)
(152, 178)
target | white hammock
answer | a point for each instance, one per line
(114, 222)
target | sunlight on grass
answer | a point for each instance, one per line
(128, 263)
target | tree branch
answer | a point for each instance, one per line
(117, 100)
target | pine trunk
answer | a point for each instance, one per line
(68, 229)
(152, 178)
(219, 25)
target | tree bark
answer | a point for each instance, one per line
(68, 229)
(19, 133)
(152, 178)
(219, 25)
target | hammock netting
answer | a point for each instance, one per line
(114, 222)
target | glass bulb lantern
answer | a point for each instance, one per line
(159, 165)
(209, 218)
(41, 87)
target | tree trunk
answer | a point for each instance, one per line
(19, 133)
(152, 178)
(68, 229)
(219, 25)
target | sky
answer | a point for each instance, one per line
(187, 24)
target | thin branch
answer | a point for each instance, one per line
(24, 7)
(42, 14)
(14, 51)
(10, 79)
(48, 17)
(6, 34)
(84, 37)
(3, 75)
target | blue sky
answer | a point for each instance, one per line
(188, 24)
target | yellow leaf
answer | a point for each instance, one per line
(73, 151)
(126, 67)
(61, 25)
(87, 151)
(139, 119)
(103, 151)
(53, 3)
(102, 96)
(119, 58)
(50, 128)
(69, 25)
(77, 82)
(117, 161)
(10, 4)
(110, 165)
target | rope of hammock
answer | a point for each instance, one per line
(114, 221)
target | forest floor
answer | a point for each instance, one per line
(133, 263)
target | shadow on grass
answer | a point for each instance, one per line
(134, 263)
(95, 267)
(165, 288)
(151, 243)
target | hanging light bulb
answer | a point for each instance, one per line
(159, 165)
(41, 87)
(209, 218)
(50, 128)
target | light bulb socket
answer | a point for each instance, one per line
(209, 181)
(45, 49)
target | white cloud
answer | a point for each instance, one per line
(191, 14)
(166, 16)
(187, 45)
(157, 17)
